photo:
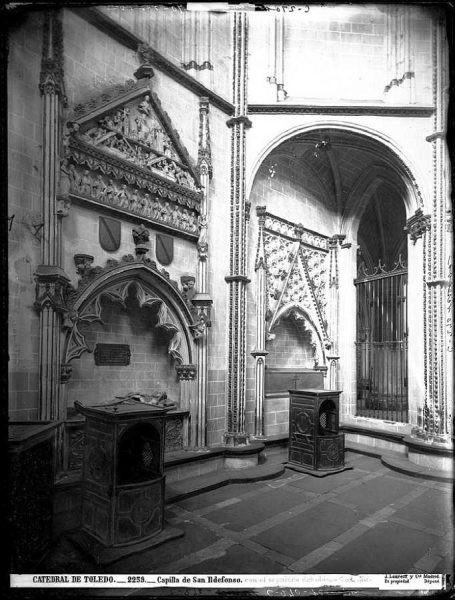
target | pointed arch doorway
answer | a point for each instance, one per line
(324, 180)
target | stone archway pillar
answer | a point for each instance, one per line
(437, 417)
(50, 277)
(347, 349)
(237, 279)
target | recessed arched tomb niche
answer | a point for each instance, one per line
(150, 368)
(135, 306)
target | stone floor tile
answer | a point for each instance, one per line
(385, 548)
(195, 538)
(375, 494)
(246, 513)
(237, 559)
(309, 530)
(322, 485)
(433, 510)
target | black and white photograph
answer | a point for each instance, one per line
(228, 283)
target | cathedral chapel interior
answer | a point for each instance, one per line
(208, 210)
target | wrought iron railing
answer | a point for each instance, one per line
(382, 346)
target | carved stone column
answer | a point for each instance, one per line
(53, 207)
(205, 174)
(437, 411)
(259, 353)
(51, 283)
(237, 278)
(187, 376)
(333, 311)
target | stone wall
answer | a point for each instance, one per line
(291, 347)
(337, 52)
(24, 202)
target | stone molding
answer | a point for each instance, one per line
(321, 109)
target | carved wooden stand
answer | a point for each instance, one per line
(315, 445)
(123, 481)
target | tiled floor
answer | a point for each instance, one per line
(365, 520)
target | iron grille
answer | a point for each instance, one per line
(382, 346)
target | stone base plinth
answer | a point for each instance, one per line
(314, 472)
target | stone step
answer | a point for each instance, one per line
(179, 490)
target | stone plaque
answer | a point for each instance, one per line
(112, 354)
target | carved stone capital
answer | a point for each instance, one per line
(261, 212)
(417, 225)
(52, 284)
(186, 372)
(241, 120)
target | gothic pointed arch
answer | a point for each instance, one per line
(151, 288)
(298, 313)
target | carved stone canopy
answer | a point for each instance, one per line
(123, 152)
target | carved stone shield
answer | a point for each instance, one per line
(164, 248)
(109, 234)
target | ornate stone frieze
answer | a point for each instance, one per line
(417, 225)
(122, 151)
(286, 228)
(142, 200)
